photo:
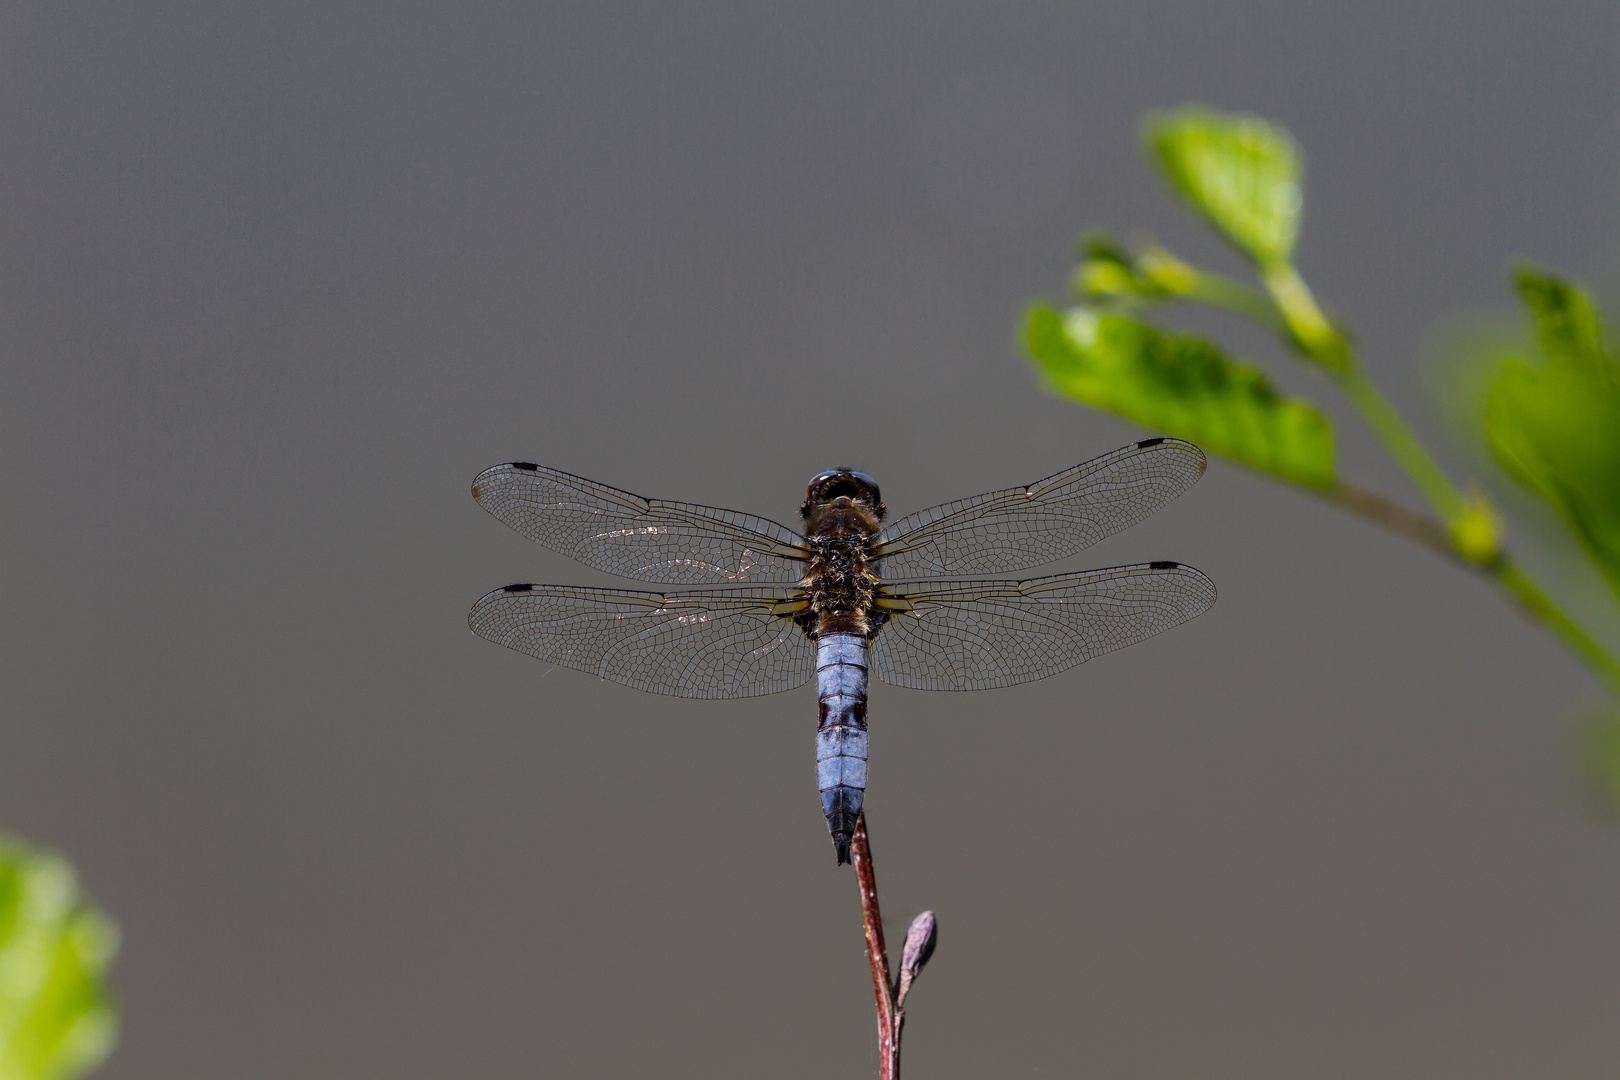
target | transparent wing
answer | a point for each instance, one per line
(1018, 528)
(710, 643)
(646, 539)
(977, 635)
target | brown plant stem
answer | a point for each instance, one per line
(1427, 530)
(888, 1017)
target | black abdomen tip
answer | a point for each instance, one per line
(841, 847)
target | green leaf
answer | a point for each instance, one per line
(1555, 426)
(1181, 385)
(1241, 173)
(56, 1016)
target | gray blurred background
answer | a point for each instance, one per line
(279, 279)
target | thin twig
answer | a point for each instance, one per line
(1380, 509)
(888, 1018)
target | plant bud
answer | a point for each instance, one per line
(921, 937)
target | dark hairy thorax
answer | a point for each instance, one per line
(842, 512)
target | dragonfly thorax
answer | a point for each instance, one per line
(842, 511)
(840, 586)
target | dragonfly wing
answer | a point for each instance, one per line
(646, 539)
(977, 635)
(1018, 528)
(709, 643)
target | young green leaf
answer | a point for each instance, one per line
(1556, 426)
(1241, 173)
(1181, 385)
(1118, 277)
(56, 1016)
(1108, 270)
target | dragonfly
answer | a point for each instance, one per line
(909, 601)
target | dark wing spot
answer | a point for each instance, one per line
(1145, 443)
(530, 588)
(529, 466)
(1163, 564)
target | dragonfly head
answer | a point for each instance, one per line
(855, 487)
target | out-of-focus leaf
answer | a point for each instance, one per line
(1239, 172)
(56, 1016)
(1566, 325)
(1555, 426)
(1181, 385)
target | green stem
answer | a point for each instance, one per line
(1517, 583)
(1220, 291)
(1315, 335)
(1403, 446)
(1312, 332)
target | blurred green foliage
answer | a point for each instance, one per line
(1555, 425)
(56, 1015)
(1553, 421)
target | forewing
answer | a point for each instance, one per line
(1018, 528)
(710, 643)
(646, 539)
(977, 635)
